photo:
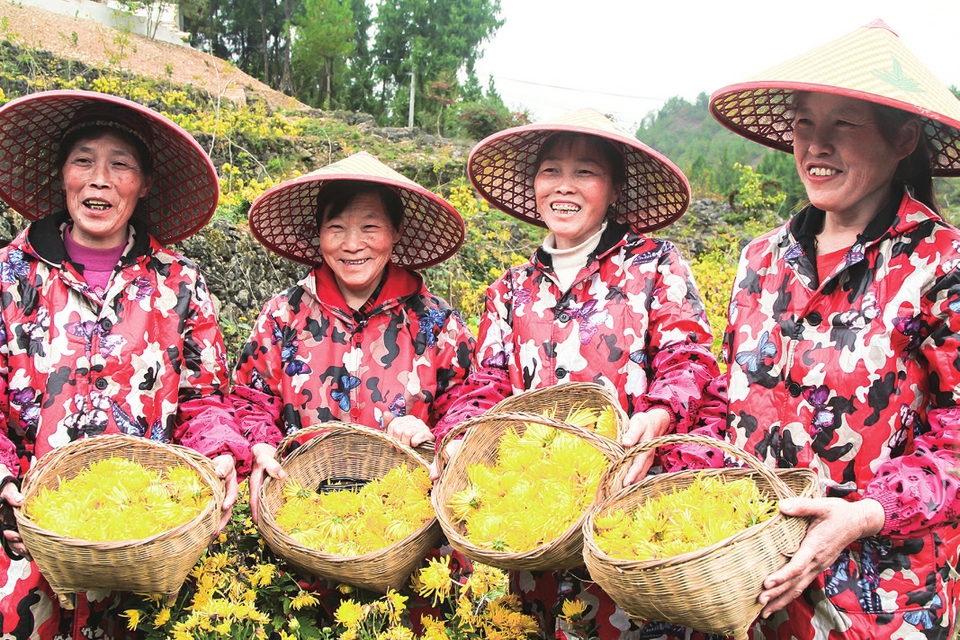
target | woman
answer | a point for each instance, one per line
(598, 302)
(102, 329)
(843, 338)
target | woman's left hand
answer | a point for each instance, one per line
(834, 524)
(226, 469)
(643, 426)
(409, 430)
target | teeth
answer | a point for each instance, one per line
(97, 205)
(565, 207)
(353, 262)
(822, 171)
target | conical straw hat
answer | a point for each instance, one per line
(284, 218)
(501, 167)
(185, 188)
(870, 64)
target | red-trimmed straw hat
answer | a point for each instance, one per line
(502, 165)
(185, 188)
(284, 218)
(870, 64)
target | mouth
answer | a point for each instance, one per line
(822, 172)
(96, 205)
(355, 263)
(564, 207)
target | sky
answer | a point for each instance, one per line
(627, 57)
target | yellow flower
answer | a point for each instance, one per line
(349, 614)
(398, 604)
(263, 576)
(133, 618)
(433, 629)
(303, 599)
(162, 618)
(435, 580)
(573, 609)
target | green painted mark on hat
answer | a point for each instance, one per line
(898, 79)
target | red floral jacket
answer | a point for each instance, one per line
(147, 360)
(311, 359)
(857, 377)
(632, 321)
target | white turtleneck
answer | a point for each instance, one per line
(568, 262)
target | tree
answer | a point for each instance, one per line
(324, 34)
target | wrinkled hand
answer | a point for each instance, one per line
(643, 426)
(263, 463)
(226, 469)
(452, 447)
(12, 496)
(834, 524)
(409, 430)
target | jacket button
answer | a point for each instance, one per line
(795, 389)
(561, 373)
(814, 318)
(101, 383)
(563, 317)
(106, 324)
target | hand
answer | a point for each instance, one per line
(263, 462)
(452, 447)
(226, 469)
(12, 496)
(834, 524)
(643, 426)
(409, 430)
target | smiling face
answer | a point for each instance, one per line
(103, 181)
(357, 245)
(574, 187)
(844, 159)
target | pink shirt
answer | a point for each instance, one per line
(98, 264)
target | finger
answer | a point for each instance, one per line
(636, 428)
(15, 543)
(424, 435)
(275, 470)
(641, 464)
(256, 479)
(432, 471)
(224, 520)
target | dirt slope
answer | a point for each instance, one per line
(100, 46)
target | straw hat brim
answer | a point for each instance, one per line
(284, 217)
(185, 189)
(870, 64)
(501, 167)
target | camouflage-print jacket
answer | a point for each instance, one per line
(147, 360)
(632, 320)
(311, 359)
(857, 377)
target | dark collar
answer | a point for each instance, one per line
(44, 236)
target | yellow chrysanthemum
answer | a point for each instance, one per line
(435, 580)
(303, 600)
(133, 618)
(162, 618)
(349, 614)
(573, 609)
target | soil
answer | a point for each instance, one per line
(100, 46)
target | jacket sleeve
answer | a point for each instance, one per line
(489, 381)
(680, 361)
(8, 451)
(256, 397)
(456, 348)
(919, 489)
(205, 420)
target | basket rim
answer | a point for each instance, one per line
(185, 454)
(752, 531)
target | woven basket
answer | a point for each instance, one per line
(715, 589)
(562, 399)
(480, 445)
(158, 564)
(340, 450)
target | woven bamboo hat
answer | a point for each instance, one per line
(870, 64)
(284, 218)
(501, 167)
(185, 188)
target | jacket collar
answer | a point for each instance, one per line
(399, 284)
(46, 241)
(612, 238)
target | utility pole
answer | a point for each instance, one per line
(413, 92)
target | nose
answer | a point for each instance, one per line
(352, 239)
(100, 175)
(821, 141)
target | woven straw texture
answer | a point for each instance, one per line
(185, 191)
(480, 445)
(502, 167)
(284, 218)
(715, 589)
(562, 399)
(73, 566)
(341, 450)
(870, 64)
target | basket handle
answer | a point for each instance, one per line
(328, 429)
(608, 447)
(614, 476)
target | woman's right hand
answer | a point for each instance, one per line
(263, 463)
(12, 496)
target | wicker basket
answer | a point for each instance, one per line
(158, 564)
(480, 446)
(340, 450)
(563, 398)
(715, 589)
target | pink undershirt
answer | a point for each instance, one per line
(98, 264)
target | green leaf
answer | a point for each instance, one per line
(898, 79)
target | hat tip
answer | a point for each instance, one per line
(880, 24)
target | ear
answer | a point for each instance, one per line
(910, 134)
(147, 185)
